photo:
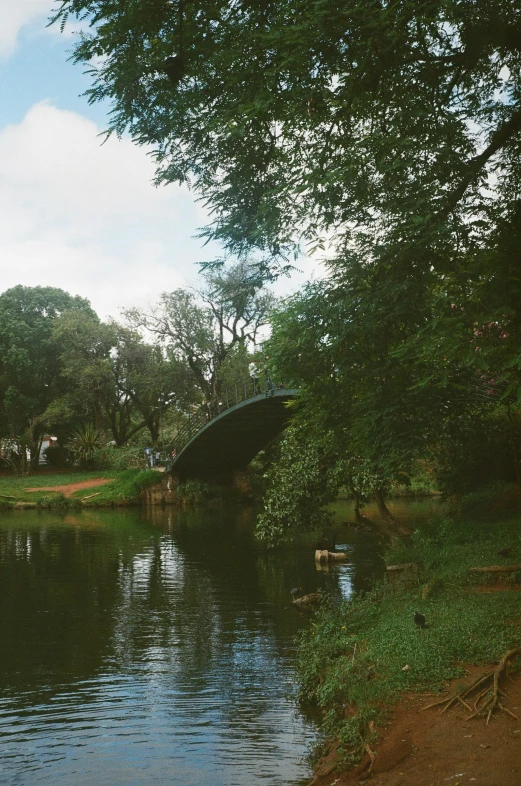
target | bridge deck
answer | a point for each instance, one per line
(233, 438)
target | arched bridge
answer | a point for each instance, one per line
(224, 435)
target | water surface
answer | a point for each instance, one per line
(153, 648)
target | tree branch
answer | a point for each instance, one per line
(500, 138)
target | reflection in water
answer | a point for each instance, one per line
(152, 649)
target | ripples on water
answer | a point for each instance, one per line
(150, 649)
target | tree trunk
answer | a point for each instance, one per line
(34, 462)
(383, 510)
(35, 448)
(358, 501)
(19, 463)
(153, 428)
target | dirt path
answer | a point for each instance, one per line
(431, 749)
(70, 488)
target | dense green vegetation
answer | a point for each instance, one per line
(396, 382)
(358, 118)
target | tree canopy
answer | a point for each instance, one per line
(29, 363)
(295, 120)
(63, 371)
(212, 326)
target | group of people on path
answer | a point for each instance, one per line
(151, 457)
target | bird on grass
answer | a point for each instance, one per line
(295, 592)
(505, 552)
(419, 619)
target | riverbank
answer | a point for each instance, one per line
(109, 488)
(359, 660)
(432, 748)
(50, 489)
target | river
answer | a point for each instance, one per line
(154, 647)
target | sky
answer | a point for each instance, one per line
(75, 213)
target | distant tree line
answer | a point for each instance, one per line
(64, 372)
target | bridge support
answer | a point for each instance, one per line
(163, 493)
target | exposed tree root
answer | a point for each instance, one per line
(484, 692)
(370, 754)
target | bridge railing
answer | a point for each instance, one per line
(240, 391)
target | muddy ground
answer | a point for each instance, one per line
(430, 748)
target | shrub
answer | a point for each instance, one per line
(84, 443)
(142, 480)
(196, 492)
(111, 457)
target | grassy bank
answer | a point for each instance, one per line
(358, 657)
(122, 488)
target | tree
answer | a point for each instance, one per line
(391, 129)
(340, 340)
(394, 371)
(292, 119)
(155, 380)
(93, 375)
(29, 360)
(114, 380)
(207, 327)
(300, 483)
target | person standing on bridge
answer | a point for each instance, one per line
(252, 369)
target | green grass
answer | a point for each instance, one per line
(354, 654)
(125, 488)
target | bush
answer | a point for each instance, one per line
(85, 441)
(142, 480)
(119, 459)
(196, 492)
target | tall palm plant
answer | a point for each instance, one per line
(84, 443)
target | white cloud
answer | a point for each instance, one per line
(84, 216)
(31, 16)
(17, 14)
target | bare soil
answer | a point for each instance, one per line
(70, 488)
(433, 749)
